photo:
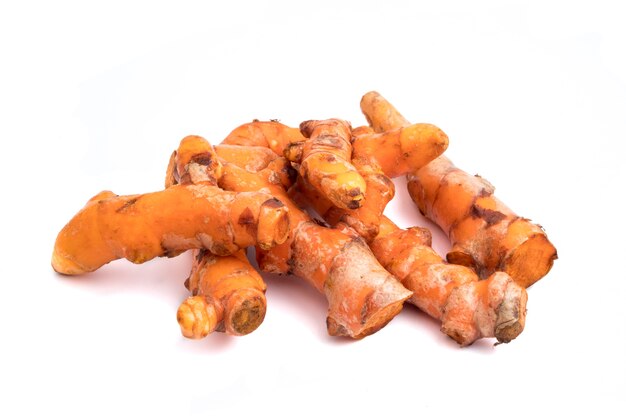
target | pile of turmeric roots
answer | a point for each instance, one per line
(311, 200)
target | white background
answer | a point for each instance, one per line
(96, 96)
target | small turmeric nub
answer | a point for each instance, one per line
(325, 162)
(228, 295)
(272, 135)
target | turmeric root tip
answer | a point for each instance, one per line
(530, 261)
(198, 317)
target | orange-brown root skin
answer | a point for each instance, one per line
(380, 114)
(165, 223)
(400, 151)
(330, 260)
(228, 293)
(485, 234)
(272, 135)
(233, 287)
(325, 162)
(366, 219)
(469, 309)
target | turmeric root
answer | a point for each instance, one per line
(365, 219)
(228, 294)
(362, 296)
(378, 156)
(324, 162)
(485, 234)
(165, 223)
(272, 135)
(468, 308)
(400, 150)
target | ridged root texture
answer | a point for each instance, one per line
(313, 253)
(324, 162)
(166, 223)
(469, 309)
(228, 295)
(486, 235)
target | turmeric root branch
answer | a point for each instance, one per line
(165, 223)
(227, 295)
(485, 234)
(468, 308)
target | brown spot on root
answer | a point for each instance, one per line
(366, 308)
(246, 218)
(335, 329)
(291, 264)
(491, 217)
(127, 205)
(187, 284)
(330, 141)
(221, 249)
(270, 203)
(291, 173)
(354, 204)
(204, 159)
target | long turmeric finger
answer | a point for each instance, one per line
(165, 223)
(401, 150)
(324, 161)
(362, 296)
(485, 234)
(228, 294)
(468, 308)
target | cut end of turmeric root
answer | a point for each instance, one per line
(511, 315)
(273, 227)
(245, 311)
(495, 307)
(363, 297)
(531, 261)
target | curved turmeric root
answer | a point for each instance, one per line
(485, 234)
(400, 150)
(166, 223)
(362, 296)
(324, 162)
(378, 156)
(468, 308)
(272, 135)
(364, 220)
(228, 295)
